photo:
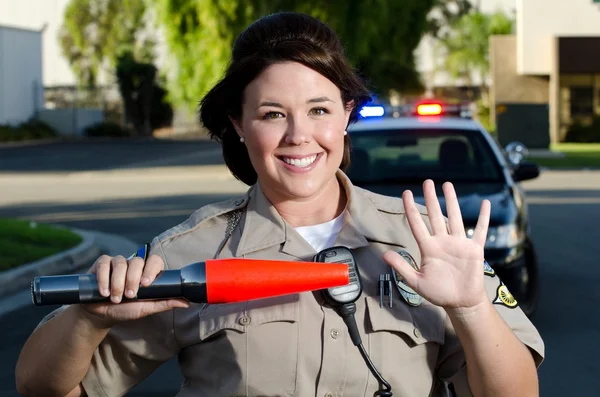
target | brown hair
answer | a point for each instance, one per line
(281, 37)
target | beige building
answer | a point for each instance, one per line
(547, 75)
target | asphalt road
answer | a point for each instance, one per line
(140, 188)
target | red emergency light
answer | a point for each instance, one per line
(429, 109)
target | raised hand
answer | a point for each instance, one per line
(451, 269)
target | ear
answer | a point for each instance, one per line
(238, 127)
(348, 110)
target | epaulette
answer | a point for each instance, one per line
(232, 209)
(389, 204)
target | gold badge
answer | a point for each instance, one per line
(408, 294)
(504, 297)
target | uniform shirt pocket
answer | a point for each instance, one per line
(257, 340)
(404, 342)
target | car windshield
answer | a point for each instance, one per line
(413, 155)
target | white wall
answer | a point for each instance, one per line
(21, 90)
(35, 14)
(538, 21)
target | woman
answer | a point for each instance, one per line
(281, 113)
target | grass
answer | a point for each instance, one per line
(23, 241)
(576, 155)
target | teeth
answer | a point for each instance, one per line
(305, 162)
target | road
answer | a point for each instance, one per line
(138, 189)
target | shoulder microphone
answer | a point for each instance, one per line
(212, 281)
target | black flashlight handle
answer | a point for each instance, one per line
(188, 282)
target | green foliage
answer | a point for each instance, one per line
(96, 32)
(584, 132)
(446, 13)
(32, 129)
(467, 44)
(145, 106)
(106, 129)
(380, 37)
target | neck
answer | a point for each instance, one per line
(326, 205)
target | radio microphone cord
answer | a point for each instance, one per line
(347, 311)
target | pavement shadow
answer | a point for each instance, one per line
(100, 155)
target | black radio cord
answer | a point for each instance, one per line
(347, 313)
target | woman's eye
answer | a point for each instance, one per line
(319, 111)
(272, 115)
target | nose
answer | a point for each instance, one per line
(298, 131)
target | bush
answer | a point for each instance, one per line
(32, 129)
(584, 133)
(106, 129)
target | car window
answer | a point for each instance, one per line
(403, 155)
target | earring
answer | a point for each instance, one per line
(345, 132)
(242, 139)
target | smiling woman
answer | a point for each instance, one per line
(281, 113)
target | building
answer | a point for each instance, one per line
(547, 75)
(21, 87)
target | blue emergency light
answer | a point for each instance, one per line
(372, 111)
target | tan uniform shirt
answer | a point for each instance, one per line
(293, 345)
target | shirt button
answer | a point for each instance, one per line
(329, 394)
(334, 334)
(244, 320)
(417, 333)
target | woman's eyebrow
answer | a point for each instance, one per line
(269, 103)
(320, 99)
(278, 105)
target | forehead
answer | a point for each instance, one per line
(292, 79)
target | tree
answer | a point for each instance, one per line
(143, 98)
(380, 37)
(96, 32)
(467, 44)
(446, 13)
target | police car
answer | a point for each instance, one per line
(397, 148)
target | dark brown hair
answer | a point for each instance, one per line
(277, 38)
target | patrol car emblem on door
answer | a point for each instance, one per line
(408, 294)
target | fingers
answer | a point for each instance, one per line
(134, 275)
(455, 223)
(415, 221)
(118, 277)
(406, 271)
(434, 211)
(154, 265)
(481, 229)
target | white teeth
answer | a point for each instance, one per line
(305, 162)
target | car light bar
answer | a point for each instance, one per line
(429, 109)
(372, 111)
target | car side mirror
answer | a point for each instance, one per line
(516, 153)
(525, 171)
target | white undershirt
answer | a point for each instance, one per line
(323, 235)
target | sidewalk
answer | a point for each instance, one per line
(15, 284)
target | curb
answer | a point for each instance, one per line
(81, 256)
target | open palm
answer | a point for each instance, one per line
(451, 271)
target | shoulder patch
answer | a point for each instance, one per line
(488, 270)
(142, 252)
(504, 297)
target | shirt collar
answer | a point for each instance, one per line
(363, 222)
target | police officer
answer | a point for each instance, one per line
(280, 113)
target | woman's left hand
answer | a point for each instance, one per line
(451, 271)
